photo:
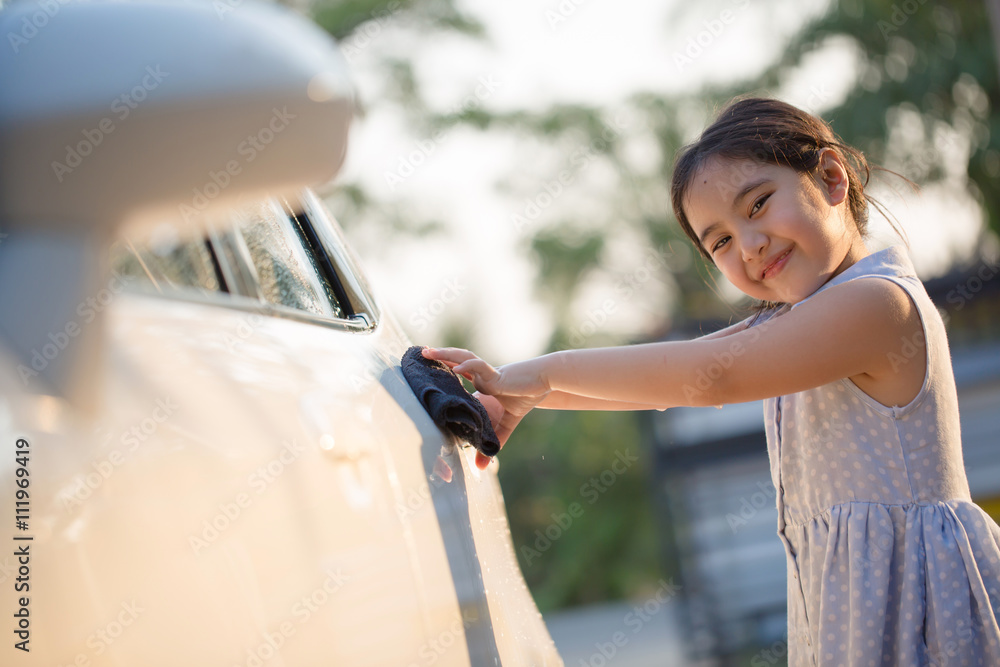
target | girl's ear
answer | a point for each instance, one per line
(832, 176)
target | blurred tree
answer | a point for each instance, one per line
(357, 24)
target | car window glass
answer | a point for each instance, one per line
(287, 274)
(166, 263)
(347, 266)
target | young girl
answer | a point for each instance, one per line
(889, 560)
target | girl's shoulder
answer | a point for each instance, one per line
(850, 330)
(891, 264)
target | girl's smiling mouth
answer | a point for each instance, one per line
(775, 266)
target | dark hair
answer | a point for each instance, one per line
(769, 131)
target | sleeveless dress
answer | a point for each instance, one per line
(889, 560)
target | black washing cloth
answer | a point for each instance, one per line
(447, 401)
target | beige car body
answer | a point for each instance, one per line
(209, 478)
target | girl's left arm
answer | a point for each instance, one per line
(845, 331)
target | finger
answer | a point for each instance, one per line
(476, 365)
(484, 374)
(506, 427)
(503, 434)
(449, 355)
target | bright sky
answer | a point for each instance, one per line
(539, 53)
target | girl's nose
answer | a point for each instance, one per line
(753, 244)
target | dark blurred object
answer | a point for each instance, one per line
(447, 401)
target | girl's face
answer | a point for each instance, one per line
(776, 234)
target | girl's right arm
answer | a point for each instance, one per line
(561, 400)
(728, 331)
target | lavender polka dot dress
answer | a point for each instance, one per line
(889, 560)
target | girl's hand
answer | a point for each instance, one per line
(515, 388)
(496, 412)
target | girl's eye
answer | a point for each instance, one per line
(758, 204)
(720, 243)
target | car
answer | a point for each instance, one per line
(210, 453)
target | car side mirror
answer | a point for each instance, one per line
(115, 113)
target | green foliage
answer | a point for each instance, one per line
(565, 253)
(341, 18)
(559, 461)
(358, 23)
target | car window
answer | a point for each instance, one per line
(327, 235)
(287, 274)
(280, 253)
(167, 264)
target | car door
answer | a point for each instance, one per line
(259, 482)
(236, 497)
